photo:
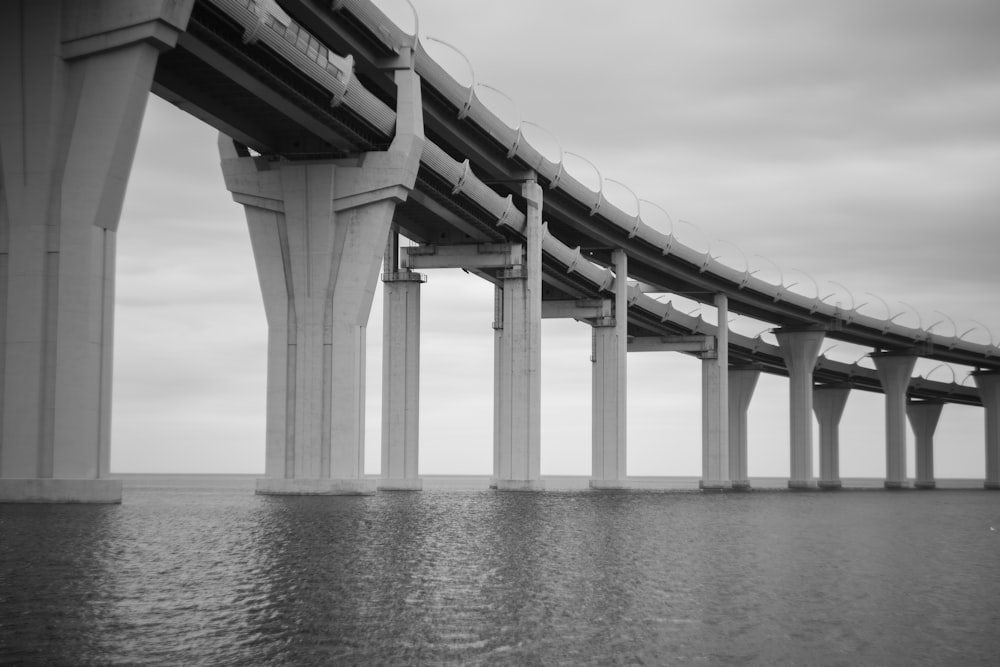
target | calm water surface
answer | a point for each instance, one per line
(222, 577)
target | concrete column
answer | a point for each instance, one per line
(988, 382)
(75, 78)
(923, 416)
(318, 231)
(518, 447)
(828, 404)
(715, 444)
(742, 382)
(609, 382)
(499, 387)
(894, 371)
(800, 348)
(400, 376)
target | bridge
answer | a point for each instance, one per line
(339, 136)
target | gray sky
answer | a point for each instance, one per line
(853, 142)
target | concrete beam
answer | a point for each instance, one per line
(462, 256)
(580, 309)
(695, 344)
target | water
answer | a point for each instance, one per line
(218, 576)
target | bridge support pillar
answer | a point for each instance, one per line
(517, 428)
(400, 376)
(715, 444)
(318, 232)
(923, 416)
(609, 383)
(800, 348)
(988, 382)
(828, 404)
(75, 79)
(894, 371)
(742, 382)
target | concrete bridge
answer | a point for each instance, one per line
(339, 135)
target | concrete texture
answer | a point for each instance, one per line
(828, 405)
(988, 383)
(401, 380)
(609, 382)
(75, 78)
(894, 371)
(923, 416)
(715, 444)
(318, 232)
(517, 447)
(742, 382)
(800, 348)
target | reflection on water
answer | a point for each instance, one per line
(203, 576)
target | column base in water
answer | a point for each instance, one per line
(992, 486)
(608, 484)
(519, 485)
(925, 485)
(894, 485)
(315, 487)
(830, 485)
(47, 490)
(401, 484)
(714, 485)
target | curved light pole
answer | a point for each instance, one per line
(464, 111)
(670, 234)
(520, 135)
(746, 262)
(781, 276)
(638, 219)
(600, 179)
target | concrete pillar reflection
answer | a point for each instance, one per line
(894, 372)
(923, 416)
(609, 382)
(742, 382)
(800, 348)
(828, 405)
(988, 382)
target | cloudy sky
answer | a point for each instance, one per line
(855, 145)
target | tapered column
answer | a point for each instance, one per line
(715, 406)
(742, 382)
(518, 447)
(318, 231)
(400, 376)
(923, 416)
(609, 381)
(894, 371)
(75, 78)
(989, 391)
(800, 348)
(828, 404)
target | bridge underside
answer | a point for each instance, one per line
(324, 178)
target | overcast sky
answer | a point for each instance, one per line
(853, 144)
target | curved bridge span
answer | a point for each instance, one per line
(340, 134)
